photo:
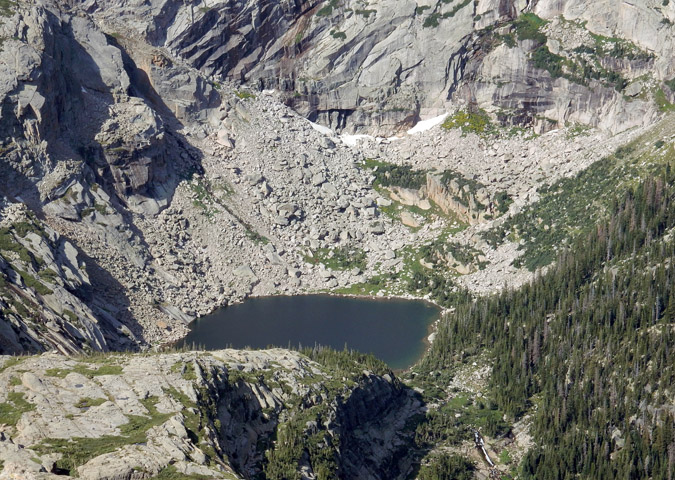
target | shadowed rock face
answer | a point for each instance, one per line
(378, 68)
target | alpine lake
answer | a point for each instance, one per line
(394, 330)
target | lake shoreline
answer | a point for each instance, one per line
(392, 321)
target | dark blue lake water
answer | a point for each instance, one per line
(393, 330)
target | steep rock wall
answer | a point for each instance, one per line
(379, 67)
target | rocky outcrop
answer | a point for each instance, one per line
(212, 414)
(46, 294)
(468, 201)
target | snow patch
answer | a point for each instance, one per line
(353, 140)
(425, 125)
(321, 128)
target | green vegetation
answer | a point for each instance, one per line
(389, 174)
(454, 421)
(527, 28)
(505, 457)
(244, 95)
(71, 316)
(31, 282)
(48, 275)
(662, 101)
(85, 370)
(12, 410)
(617, 48)
(441, 249)
(255, 236)
(565, 208)
(203, 198)
(9, 244)
(671, 84)
(456, 8)
(88, 402)
(11, 362)
(78, 451)
(327, 10)
(341, 258)
(189, 372)
(431, 20)
(578, 130)
(345, 362)
(609, 295)
(477, 122)
(7, 8)
(304, 433)
(464, 187)
(171, 473)
(338, 35)
(366, 13)
(447, 467)
(371, 286)
(542, 58)
(585, 63)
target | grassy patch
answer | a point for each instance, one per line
(477, 122)
(662, 101)
(171, 473)
(505, 457)
(57, 372)
(243, 94)
(189, 372)
(88, 402)
(389, 174)
(618, 48)
(85, 370)
(12, 410)
(343, 258)
(371, 286)
(78, 451)
(12, 362)
(7, 8)
(102, 370)
(203, 198)
(48, 274)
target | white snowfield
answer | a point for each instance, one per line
(322, 129)
(353, 140)
(425, 125)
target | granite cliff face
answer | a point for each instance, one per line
(377, 67)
